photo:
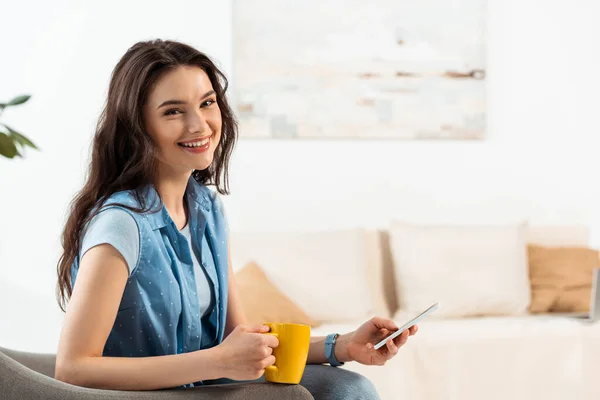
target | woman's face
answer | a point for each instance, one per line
(183, 118)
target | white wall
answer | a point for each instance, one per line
(538, 161)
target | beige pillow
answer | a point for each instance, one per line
(264, 302)
(471, 270)
(327, 273)
(561, 278)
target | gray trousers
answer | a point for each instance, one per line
(326, 383)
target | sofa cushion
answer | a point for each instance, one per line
(324, 272)
(561, 278)
(525, 357)
(528, 357)
(471, 270)
(263, 302)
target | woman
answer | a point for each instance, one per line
(146, 266)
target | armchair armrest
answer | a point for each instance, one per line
(20, 380)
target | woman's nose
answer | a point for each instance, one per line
(196, 122)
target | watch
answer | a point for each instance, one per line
(330, 350)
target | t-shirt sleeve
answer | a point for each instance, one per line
(117, 228)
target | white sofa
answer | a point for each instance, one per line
(341, 278)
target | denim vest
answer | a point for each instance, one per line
(159, 310)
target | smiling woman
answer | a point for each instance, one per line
(166, 133)
(161, 94)
(152, 296)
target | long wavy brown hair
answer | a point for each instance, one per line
(124, 154)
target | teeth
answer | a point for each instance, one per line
(195, 144)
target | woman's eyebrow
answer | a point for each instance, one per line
(177, 102)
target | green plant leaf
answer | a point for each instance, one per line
(18, 100)
(7, 147)
(22, 140)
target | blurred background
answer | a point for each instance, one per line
(533, 156)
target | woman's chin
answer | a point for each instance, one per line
(202, 164)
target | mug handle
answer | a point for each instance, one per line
(272, 368)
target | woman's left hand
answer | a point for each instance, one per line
(358, 345)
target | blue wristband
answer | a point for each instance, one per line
(330, 350)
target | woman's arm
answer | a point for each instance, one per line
(90, 316)
(235, 312)
(316, 351)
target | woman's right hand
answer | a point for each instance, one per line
(246, 352)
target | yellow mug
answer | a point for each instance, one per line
(291, 354)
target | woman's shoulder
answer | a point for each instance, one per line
(118, 211)
(130, 208)
(138, 202)
(113, 221)
(123, 197)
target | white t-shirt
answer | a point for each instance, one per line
(117, 228)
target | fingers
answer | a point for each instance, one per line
(266, 352)
(386, 323)
(413, 329)
(402, 339)
(261, 366)
(256, 328)
(262, 334)
(392, 348)
(267, 362)
(263, 347)
(270, 341)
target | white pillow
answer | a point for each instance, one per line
(470, 270)
(325, 273)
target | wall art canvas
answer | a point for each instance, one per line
(377, 69)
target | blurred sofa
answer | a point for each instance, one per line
(482, 344)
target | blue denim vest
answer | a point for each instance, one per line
(159, 310)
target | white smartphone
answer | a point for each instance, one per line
(407, 325)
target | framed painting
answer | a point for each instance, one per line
(378, 69)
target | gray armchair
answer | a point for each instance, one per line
(31, 376)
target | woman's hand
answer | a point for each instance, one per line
(246, 352)
(359, 345)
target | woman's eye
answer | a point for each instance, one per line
(172, 111)
(208, 103)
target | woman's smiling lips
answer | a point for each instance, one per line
(195, 146)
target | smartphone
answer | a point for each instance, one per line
(407, 325)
